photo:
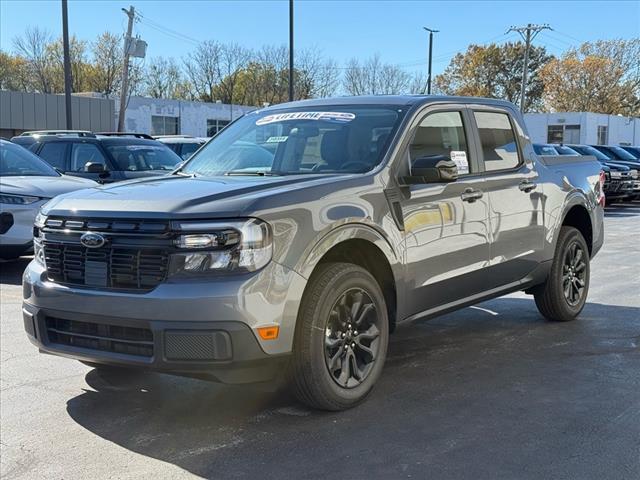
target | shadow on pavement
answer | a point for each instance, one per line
(11, 270)
(500, 384)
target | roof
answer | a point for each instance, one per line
(407, 100)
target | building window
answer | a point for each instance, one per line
(214, 126)
(571, 134)
(555, 133)
(161, 125)
(602, 135)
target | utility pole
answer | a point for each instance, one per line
(291, 75)
(431, 32)
(131, 13)
(67, 64)
(527, 33)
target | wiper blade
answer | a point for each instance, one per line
(250, 173)
(182, 174)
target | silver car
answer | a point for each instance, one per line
(26, 183)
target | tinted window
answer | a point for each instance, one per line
(544, 149)
(586, 150)
(564, 150)
(189, 149)
(498, 141)
(442, 134)
(143, 157)
(83, 153)
(16, 161)
(53, 153)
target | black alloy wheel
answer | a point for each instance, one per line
(574, 271)
(352, 338)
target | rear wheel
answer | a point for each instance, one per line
(341, 338)
(563, 295)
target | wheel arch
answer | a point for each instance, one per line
(577, 215)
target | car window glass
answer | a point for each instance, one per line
(143, 157)
(499, 147)
(17, 161)
(83, 153)
(188, 149)
(544, 149)
(53, 154)
(442, 134)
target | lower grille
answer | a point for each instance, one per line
(111, 267)
(97, 336)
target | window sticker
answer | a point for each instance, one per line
(460, 159)
(277, 139)
(337, 117)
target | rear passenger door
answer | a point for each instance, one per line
(445, 224)
(514, 196)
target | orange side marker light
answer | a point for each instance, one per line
(268, 333)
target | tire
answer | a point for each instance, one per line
(320, 348)
(551, 297)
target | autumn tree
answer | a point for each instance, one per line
(14, 73)
(601, 77)
(495, 71)
(78, 60)
(202, 69)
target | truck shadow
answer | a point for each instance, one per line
(11, 270)
(479, 371)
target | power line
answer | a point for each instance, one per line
(528, 33)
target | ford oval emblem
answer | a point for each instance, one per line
(92, 240)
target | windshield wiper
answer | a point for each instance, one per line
(182, 174)
(254, 174)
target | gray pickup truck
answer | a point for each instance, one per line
(293, 243)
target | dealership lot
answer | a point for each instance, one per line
(488, 392)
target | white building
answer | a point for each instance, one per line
(172, 117)
(583, 128)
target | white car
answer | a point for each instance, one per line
(26, 183)
(183, 145)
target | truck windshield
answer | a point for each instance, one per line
(317, 140)
(586, 150)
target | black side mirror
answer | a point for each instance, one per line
(94, 167)
(432, 169)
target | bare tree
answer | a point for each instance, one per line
(106, 67)
(162, 78)
(202, 69)
(33, 47)
(373, 77)
(315, 76)
(233, 60)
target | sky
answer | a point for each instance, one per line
(339, 29)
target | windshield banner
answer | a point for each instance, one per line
(338, 117)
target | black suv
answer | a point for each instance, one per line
(104, 158)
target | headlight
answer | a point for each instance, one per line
(616, 174)
(17, 199)
(245, 245)
(40, 220)
(634, 174)
(38, 252)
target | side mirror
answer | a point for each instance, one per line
(94, 167)
(432, 169)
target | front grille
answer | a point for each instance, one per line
(97, 336)
(109, 267)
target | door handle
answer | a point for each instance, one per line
(470, 195)
(527, 186)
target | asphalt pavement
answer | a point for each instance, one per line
(489, 392)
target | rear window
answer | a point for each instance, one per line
(498, 141)
(17, 161)
(141, 157)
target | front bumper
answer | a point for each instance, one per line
(195, 328)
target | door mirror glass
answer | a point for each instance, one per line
(93, 167)
(432, 169)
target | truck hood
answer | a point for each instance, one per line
(45, 186)
(176, 196)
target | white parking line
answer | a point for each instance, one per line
(485, 310)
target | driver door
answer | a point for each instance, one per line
(446, 224)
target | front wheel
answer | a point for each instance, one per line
(563, 295)
(341, 338)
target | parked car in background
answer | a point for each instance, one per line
(622, 180)
(105, 158)
(619, 154)
(633, 150)
(553, 149)
(183, 145)
(248, 263)
(26, 183)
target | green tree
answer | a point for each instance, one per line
(104, 74)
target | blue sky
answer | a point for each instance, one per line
(340, 29)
